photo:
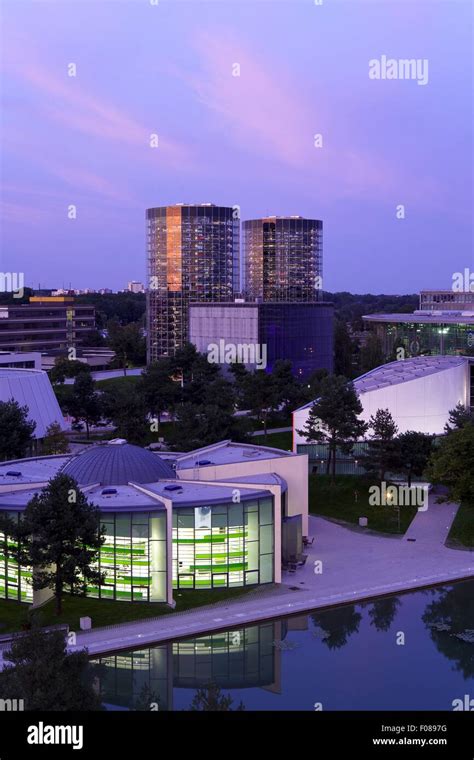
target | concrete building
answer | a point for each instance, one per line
(46, 322)
(283, 258)
(261, 333)
(446, 300)
(208, 519)
(193, 255)
(31, 360)
(135, 287)
(31, 388)
(419, 393)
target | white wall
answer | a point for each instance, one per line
(422, 404)
(294, 469)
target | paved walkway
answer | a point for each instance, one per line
(355, 566)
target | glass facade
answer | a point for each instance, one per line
(15, 582)
(133, 557)
(283, 259)
(225, 545)
(193, 255)
(425, 338)
(302, 333)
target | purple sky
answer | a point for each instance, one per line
(247, 140)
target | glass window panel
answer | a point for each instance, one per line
(266, 568)
(266, 511)
(266, 539)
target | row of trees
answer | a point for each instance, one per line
(201, 401)
(334, 420)
(17, 433)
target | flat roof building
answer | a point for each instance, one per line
(45, 323)
(207, 519)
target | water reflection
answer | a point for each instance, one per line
(293, 662)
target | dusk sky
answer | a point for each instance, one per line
(167, 69)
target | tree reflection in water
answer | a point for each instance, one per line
(450, 614)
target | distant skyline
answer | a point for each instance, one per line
(170, 70)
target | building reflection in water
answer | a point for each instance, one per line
(248, 657)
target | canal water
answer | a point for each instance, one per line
(413, 651)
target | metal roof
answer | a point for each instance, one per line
(32, 388)
(424, 318)
(117, 463)
(403, 371)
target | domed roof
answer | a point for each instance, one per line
(117, 463)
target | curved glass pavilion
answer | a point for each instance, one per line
(165, 528)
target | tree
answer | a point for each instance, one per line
(371, 354)
(60, 537)
(380, 449)
(333, 418)
(452, 465)
(125, 407)
(338, 624)
(128, 344)
(210, 699)
(458, 418)
(160, 391)
(198, 425)
(289, 390)
(411, 454)
(55, 440)
(83, 403)
(46, 676)
(63, 368)
(261, 393)
(344, 348)
(16, 430)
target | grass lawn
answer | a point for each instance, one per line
(462, 529)
(126, 381)
(348, 499)
(106, 612)
(276, 440)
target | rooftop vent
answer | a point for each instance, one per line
(173, 488)
(117, 442)
(109, 491)
(202, 462)
(14, 473)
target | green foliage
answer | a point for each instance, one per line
(452, 465)
(344, 350)
(198, 425)
(411, 454)
(458, 418)
(55, 440)
(16, 430)
(65, 368)
(128, 343)
(381, 447)
(333, 418)
(83, 402)
(160, 391)
(40, 671)
(125, 408)
(60, 537)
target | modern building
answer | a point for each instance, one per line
(44, 323)
(424, 332)
(283, 258)
(446, 300)
(419, 393)
(263, 332)
(20, 360)
(32, 388)
(135, 287)
(193, 255)
(208, 519)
